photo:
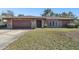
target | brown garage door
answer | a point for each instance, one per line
(22, 24)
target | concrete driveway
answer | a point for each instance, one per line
(8, 36)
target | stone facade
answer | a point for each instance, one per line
(33, 23)
(9, 24)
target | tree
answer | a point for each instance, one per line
(3, 14)
(64, 14)
(10, 12)
(76, 22)
(56, 14)
(48, 12)
(21, 15)
(70, 14)
(7, 13)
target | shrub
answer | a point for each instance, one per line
(72, 25)
(45, 26)
(76, 22)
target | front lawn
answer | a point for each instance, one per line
(47, 39)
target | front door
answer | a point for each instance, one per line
(39, 23)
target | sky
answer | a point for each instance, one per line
(38, 11)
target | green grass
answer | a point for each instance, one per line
(46, 39)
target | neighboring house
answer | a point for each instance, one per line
(36, 21)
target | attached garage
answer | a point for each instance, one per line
(18, 23)
(21, 24)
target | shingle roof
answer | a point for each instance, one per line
(37, 17)
(22, 17)
(58, 17)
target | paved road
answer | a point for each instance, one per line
(8, 36)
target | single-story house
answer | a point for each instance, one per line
(36, 21)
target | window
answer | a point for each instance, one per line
(50, 23)
(56, 24)
(53, 23)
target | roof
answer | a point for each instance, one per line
(58, 17)
(38, 17)
(22, 17)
